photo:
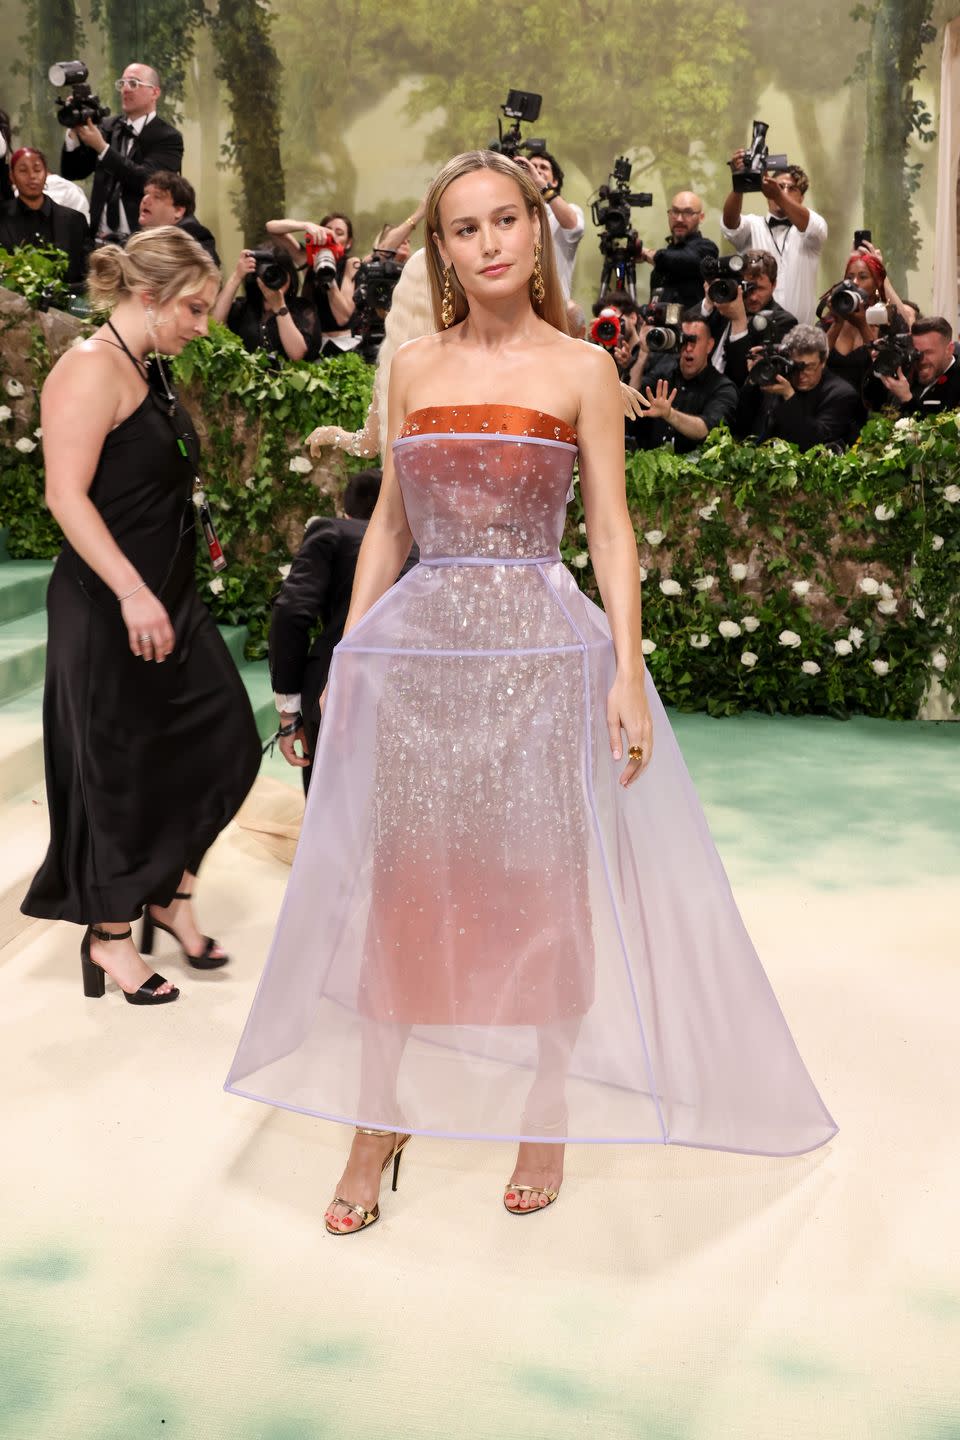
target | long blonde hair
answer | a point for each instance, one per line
(410, 316)
(552, 307)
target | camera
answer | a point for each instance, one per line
(605, 330)
(847, 298)
(892, 350)
(522, 105)
(724, 276)
(269, 270)
(757, 162)
(323, 259)
(610, 212)
(665, 322)
(772, 365)
(81, 106)
(374, 284)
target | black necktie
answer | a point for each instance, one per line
(119, 136)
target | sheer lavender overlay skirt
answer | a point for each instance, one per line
(484, 935)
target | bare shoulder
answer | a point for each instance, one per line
(414, 355)
(83, 383)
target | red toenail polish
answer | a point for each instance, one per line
(347, 1220)
(511, 1196)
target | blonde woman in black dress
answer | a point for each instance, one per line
(149, 739)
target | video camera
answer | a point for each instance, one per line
(610, 212)
(666, 326)
(81, 106)
(522, 105)
(374, 284)
(892, 350)
(758, 162)
(724, 276)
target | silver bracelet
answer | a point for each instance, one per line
(141, 586)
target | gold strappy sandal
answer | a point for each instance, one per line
(514, 1191)
(369, 1217)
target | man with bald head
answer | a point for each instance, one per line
(676, 265)
(122, 153)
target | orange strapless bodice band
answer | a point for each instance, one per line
(487, 420)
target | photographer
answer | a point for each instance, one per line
(676, 265)
(397, 237)
(268, 314)
(685, 407)
(122, 152)
(169, 199)
(34, 219)
(936, 384)
(566, 220)
(328, 289)
(731, 322)
(850, 337)
(627, 348)
(807, 405)
(790, 231)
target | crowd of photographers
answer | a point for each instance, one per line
(742, 338)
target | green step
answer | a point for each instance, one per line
(21, 743)
(23, 587)
(23, 650)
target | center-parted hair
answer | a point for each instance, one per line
(165, 261)
(552, 307)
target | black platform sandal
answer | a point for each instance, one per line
(206, 960)
(95, 977)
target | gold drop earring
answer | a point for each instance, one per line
(447, 308)
(539, 289)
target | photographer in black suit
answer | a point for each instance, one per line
(676, 265)
(810, 406)
(317, 589)
(732, 324)
(936, 383)
(122, 152)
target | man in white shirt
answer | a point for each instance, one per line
(566, 220)
(791, 231)
(122, 152)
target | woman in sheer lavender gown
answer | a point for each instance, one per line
(506, 917)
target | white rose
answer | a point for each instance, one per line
(936, 540)
(843, 647)
(939, 661)
(729, 629)
(879, 667)
(25, 445)
(707, 512)
(300, 465)
(284, 570)
(14, 388)
(869, 586)
(855, 636)
(216, 585)
(810, 667)
(801, 587)
(951, 493)
(918, 610)
(671, 587)
(648, 646)
(700, 642)
(582, 528)
(250, 482)
(38, 432)
(580, 560)
(706, 582)
(886, 591)
(653, 537)
(738, 571)
(903, 424)
(789, 638)
(749, 659)
(750, 623)
(5, 412)
(643, 573)
(887, 607)
(883, 512)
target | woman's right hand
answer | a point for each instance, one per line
(246, 265)
(148, 626)
(323, 436)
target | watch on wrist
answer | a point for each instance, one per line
(284, 310)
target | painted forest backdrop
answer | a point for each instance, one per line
(297, 107)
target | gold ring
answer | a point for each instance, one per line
(635, 752)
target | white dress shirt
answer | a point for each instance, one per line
(798, 258)
(565, 243)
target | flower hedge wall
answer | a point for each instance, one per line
(771, 580)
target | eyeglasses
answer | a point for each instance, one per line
(807, 364)
(132, 84)
(683, 214)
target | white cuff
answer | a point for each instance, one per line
(289, 704)
(71, 143)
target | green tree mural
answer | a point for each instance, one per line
(155, 32)
(53, 32)
(250, 72)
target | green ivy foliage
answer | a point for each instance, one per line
(36, 274)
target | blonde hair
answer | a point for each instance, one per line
(552, 307)
(165, 261)
(410, 316)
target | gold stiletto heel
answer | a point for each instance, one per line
(370, 1217)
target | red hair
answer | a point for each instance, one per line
(28, 150)
(875, 266)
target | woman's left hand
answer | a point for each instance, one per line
(629, 714)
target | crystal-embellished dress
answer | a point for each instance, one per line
(484, 935)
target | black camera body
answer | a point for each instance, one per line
(757, 163)
(81, 106)
(847, 298)
(724, 277)
(269, 270)
(772, 365)
(522, 106)
(666, 326)
(893, 350)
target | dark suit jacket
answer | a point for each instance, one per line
(158, 147)
(202, 235)
(826, 415)
(68, 230)
(735, 352)
(943, 394)
(317, 589)
(676, 269)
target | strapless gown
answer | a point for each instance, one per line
(484, 935)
